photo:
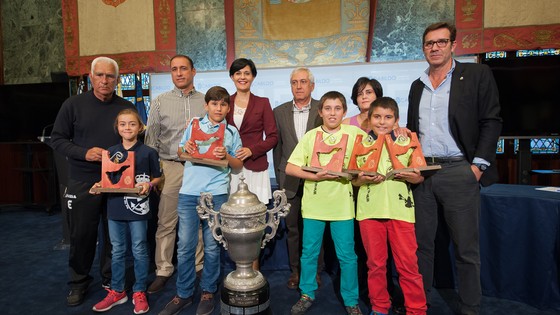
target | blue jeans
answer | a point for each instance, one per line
(186, 247)
(118, 231)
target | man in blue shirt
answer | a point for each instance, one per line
(199, 178)
(454, 108)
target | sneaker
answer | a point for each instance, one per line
(302, 305)
(113, 298)
(140, 303)
(75, 296)
(176, 305)
(158, 284)
(353, 310)
(106, 283)
(206, 305)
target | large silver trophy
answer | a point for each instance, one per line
(240, 226)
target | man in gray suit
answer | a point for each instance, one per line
(293, 120)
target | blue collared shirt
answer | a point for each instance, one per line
(435, 134)
(199, 178)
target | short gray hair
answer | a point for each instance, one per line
(309, 73)
(105, 60)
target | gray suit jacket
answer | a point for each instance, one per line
(287, 140)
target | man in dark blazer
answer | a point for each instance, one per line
(293, 120)
(454, 108)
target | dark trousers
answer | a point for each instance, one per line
(294, 224)
(85, 211)
(454, 191)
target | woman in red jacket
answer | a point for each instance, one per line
(253, 117)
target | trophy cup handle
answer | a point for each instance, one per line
(206, 211)
(280, 210)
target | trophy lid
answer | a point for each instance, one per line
(243, 201)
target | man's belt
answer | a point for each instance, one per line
(182, 162)
(431, 160)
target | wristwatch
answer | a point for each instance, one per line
(481, 167)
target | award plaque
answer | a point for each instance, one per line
(417, 160)
(336, 152)
(117, 176)
(365, 158)
(205, 143)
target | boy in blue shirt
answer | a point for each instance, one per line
(199, 178)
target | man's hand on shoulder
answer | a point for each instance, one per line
(402, 132)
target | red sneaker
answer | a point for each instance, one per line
(113, 298)
(140, 303)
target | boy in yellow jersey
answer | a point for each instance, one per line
(386, 214)
(326, 198)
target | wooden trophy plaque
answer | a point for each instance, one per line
(117, 177)
(334, 166)
(365, 158)
(417, 159)
(206, 142)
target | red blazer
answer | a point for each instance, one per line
(258, 119)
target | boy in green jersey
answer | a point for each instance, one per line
(326, 198)
(386, 215)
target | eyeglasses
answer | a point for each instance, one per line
(440, 43)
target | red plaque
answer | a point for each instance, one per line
(336, 152)
(206, 142)
(417, 159)
(117, 176)
(396, 149)
(365, 158)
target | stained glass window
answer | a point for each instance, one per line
(128, 82)
(500, 149)
(541, 146)
(147, 103)
(145, 81)
(538, 52)
(496, 54)
(128, 86)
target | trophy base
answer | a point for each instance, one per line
(205, 161)
(318, 169)
(255, 302)
(134, 190)
(356, 172)
(424, 170)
